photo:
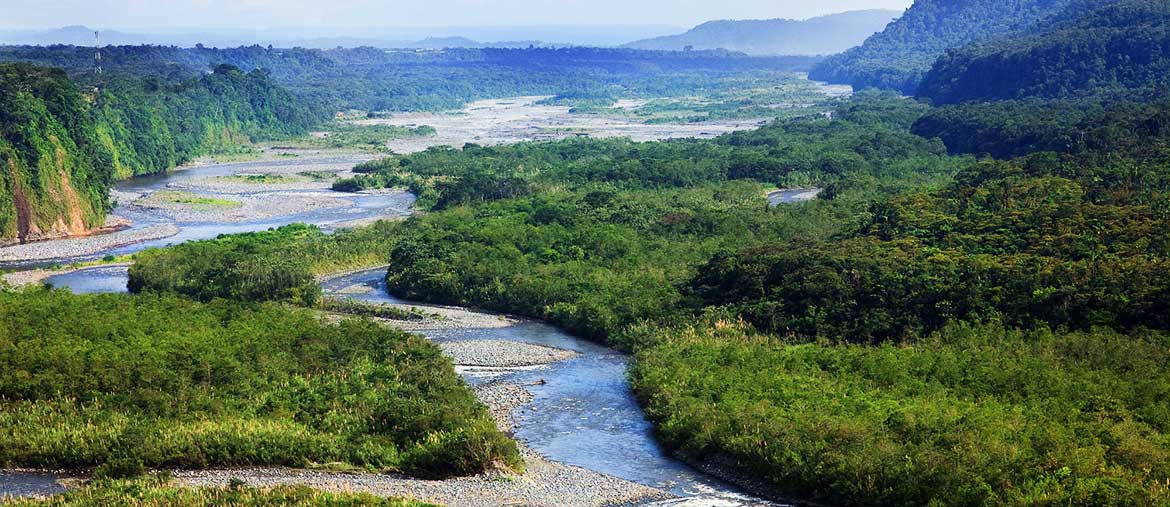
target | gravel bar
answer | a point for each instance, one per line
(84, 245)
(502, 353)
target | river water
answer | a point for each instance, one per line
(583, 413)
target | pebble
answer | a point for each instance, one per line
(85, 245)
(503, 353)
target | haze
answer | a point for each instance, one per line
(269, 14)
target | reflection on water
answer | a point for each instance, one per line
(792, 196)
(99, 280)
(17, 484)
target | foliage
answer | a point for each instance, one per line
(972, 415)
(51, 178)
(869, 137)
(275, 265)
(247, 267)
(898, 57)
(1093, 48)
(158, 381)
(371, 79)
(61, 149)
(1011, 128)
(1046, 240)
(617, 228)
(154, 492)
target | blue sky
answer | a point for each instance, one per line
(262, 14)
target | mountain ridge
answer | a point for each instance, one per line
(820, 35)
(1093, 48)
(898, 57)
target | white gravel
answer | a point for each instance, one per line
(502, 353)
(544, 483)
(85, 245)
(251, 207)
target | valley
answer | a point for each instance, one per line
(545, 274)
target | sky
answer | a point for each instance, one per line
(320, 14)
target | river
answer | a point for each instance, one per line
(583, 412)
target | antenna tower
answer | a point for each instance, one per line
(97, 59)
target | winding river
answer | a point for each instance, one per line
(583, 413)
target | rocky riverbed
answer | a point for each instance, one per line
(85, 245)
(544, 482)
(189, 207)
(515, 119)
(497, 353)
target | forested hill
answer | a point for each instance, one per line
(61, 147)
(390, 80)
(823, 35)
(898, 57)
(1118, 49)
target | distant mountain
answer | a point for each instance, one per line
(898, 57)
(84, 36)
(816, 36)
(326, 38)
(1090, 49)
(75, 35)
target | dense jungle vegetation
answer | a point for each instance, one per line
(869, 139)
(62, 147)
(257, 266)
(934, 330)
(1013, 128)
(1093, 80)
(1118, 48)
(974, 312)
(158, 106)
(372, 79)
(122, 382)
(898, 57)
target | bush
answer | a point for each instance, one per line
(973, 415)
(125, 382)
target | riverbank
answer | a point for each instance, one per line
(515, 119)
(188, 207)
(29, 277)
(544, 482)
(84, 245)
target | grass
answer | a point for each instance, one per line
(758, 95)
(262, 179)
(159, 492)
(196, 201)
(244, 154)
(318, 175)
(120, 383)
(362, 137)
